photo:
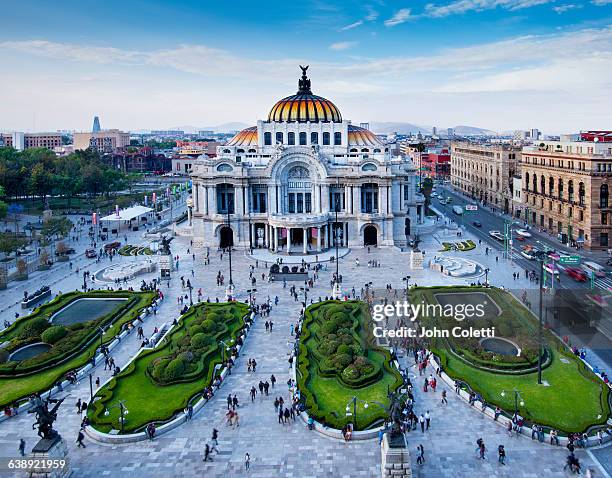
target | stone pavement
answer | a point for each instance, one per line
(287, 450)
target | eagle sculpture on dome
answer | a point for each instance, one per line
(304, 82)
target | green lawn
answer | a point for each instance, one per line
(574, 398)
(148, 401)
(13, 389)
(326, 394)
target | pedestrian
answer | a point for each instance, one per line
(422, 422)
(502, 454)
(79, 441)
(229, 401)
(97, 382)
(253, 393)
(247, 461)
(444, 400)
(78, 406)
(427, 419)
(420, 454)
(22, 447)
(215, 440)
(207, 453)
(272, 380)
(234, 402)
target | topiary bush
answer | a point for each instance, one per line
(34, 328)
(54, 334)
(174, 369)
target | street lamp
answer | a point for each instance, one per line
(224, 346)
(407, 280)
(230, 289)
(517, 395)
(251, 292)
(190, 287)
(305, 290)
(486, 271)
(102, 332)
(540, 256)
(123, 411)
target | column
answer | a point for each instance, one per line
(238, 201)
(347, 199)
(275, 237)
(305, 240)
(288, 240)
(253, 235)
(196, 196)
(357, 199)
(325, 198)
(212, 202)
(318, 239)
(382, 196)
(266, 236)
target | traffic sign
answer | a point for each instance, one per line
(570, 260)
(471, 207)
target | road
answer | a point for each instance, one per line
(492, 221)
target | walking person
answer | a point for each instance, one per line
(22, 447)
(215, 440)
(444, 400)
(427, 419)
(420, 455)
(422, 422)
(247, 461)
(502, 454)
(272, 380)
(207, 451)
(79, 441)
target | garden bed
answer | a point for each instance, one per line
(72, 346)
(573, 398)
(161, 382)
(338, 360)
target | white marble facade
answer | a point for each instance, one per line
(286, 180)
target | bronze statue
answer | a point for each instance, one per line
(165, 245)
(304, 82)
(44, 416)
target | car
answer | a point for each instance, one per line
(69, 250)
(553, 255)
(577, 274)
(551, 269)
(494, 233)
(449, 199)
(523, 232)
(520, 238)
(477, 224)
(594, 268)
(91, 253)
(112, 245)
(528, 255)
(433, 195)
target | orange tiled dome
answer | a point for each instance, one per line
(358, 136)
(246, 137)
(304, 106)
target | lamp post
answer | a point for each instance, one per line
(407, 280)
(230, 288)
(517, 395)
(305, 290)
(101, 334)
(122, 410)
(540, 255)
(190, 287)
(90, 388)
(251, 292)
(486, 271)
(223, 347)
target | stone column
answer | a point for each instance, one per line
(212, 201)
(288, 240)
(275, 236)
(325, 198)
(318, 239)
(253, 235)
(382, 196)
(305, 240)
(356, 199)
(347, 199)
(196, 196)
(238, 201)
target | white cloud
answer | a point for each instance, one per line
(564, 8)
(463, 6)
(342, 45)
(399, 17)
(601, 3)
(372, 14)
(352, 25)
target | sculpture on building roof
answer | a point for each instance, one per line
(304, 82)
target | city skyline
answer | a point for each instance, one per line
(494, 64)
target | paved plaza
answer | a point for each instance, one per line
(275, 449)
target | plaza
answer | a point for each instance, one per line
(292, 449)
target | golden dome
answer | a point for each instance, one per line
(304, 106)
(246, 137)
(358, 136)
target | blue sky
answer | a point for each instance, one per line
(499, 64)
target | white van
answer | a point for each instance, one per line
(593, 267)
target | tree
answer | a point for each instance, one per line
(22, 267)
(60, 226)
(41, 182)
(9, 243)
(43, 259)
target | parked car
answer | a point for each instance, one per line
(69, 250)
(577, 274)
(523, 232)
(91, 253)
(477, 224)
(112, 245)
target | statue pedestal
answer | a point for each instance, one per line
(50, 452)
(416, 260)
(395, 457)
(165, 266)
(337, 291)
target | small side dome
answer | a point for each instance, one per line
(246, 137)
(358, 136)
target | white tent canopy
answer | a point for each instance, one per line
(128, 214)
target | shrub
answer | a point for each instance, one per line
(34, 328)
(345, 350)
(199, 341)
(504, 329)
(208, 326)
(54, 334)
(342, 360)
(174, 370)
(350, 373)
(196, 329)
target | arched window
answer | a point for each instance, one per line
(337, 139)
(365, 150)
(560, 188)
(279, 137)
(240, 151)
(224, 168)
(302, 139)
(377, 150)
(252, 150)
(290, 138)
(551, 186)
(535, 183)
(581, 193)
(314, 138)
(542, 184)
(603, 196)
(527, 181)
(268, 139)
(353, 150)
(326, 139)
(369, 167)
(570, 190)
(226, 151)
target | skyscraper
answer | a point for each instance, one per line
(96, 125)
